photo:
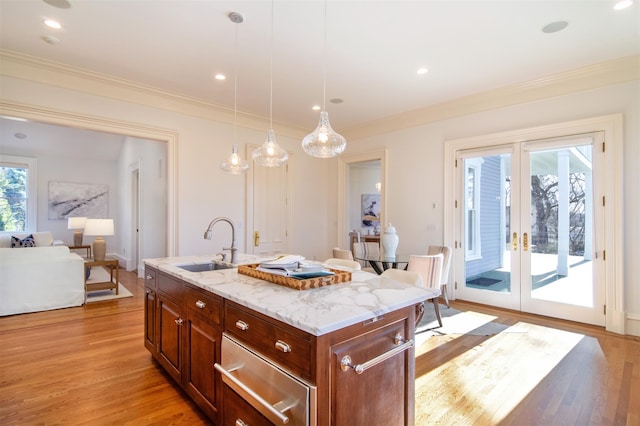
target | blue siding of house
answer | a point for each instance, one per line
(490, 211)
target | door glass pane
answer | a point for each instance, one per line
(562, 225)
(487, 222)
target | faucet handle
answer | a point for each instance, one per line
(223, 256)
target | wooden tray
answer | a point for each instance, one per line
(305, 284)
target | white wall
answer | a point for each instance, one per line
(416, 169)
(415, 166)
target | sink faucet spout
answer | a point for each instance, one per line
(208, 233)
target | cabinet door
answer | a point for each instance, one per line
(202, 382)
(169, 334)
(150, 320)
(238, 412)
(382, 394)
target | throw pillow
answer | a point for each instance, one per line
(27, 241)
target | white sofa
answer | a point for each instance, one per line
(39, 278)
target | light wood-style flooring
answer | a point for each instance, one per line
(88, 365)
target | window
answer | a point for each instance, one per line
(18, 195)
(473, 167)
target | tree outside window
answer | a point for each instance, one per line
(13, 198)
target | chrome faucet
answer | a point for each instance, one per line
(233, 248)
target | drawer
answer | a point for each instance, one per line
(150, 277)
(171, 287)
(237, 411)
(204, 304)
(286, 346)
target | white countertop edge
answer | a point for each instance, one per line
(316, 311)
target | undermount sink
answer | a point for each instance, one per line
(208, 266)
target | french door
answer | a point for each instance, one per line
(529, 227)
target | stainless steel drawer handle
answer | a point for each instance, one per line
(346, 362)
(242, 325)
(200, 304)
(250, 395)
(241, 423)
(149, 277)
(283, 346)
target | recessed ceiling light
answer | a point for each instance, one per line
(60, 4)
(20, 135)
(422, 71)
(336, 101)
(51, 23)
(316, 107)
(554, 27)
(220, 77)
(623, 4)
(51, 39)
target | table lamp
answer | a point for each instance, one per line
(99, 228)
(78, 224)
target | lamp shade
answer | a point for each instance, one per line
(99, 227)
(76, 222)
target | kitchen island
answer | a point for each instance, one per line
(349, 344)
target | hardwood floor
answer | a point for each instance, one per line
(88, 365)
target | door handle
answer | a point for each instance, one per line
(256, 238)
(515, 241)
(525, 241)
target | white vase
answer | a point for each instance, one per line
(389, 242)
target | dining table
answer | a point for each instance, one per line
(381, 263)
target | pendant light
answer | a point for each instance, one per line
(270, 154)
(235, 164)
(324, 142)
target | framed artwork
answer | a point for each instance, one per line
(370, 209)
(68, 199)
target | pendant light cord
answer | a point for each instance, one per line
(235, 90)
(271, 74)
(324, 72)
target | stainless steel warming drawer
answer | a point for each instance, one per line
(275, 393)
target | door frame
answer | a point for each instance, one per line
(612, 126)
(110, 125)
(344, 162)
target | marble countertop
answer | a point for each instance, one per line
(316, 311)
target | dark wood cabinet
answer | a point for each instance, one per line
(202, 350)
(381, 394)
(150, 310)
(183, 331)
(183, 328)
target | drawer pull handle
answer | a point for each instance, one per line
(149, 277)
(179, 321)
(241, 423)
(242, 325)
(283, 346)
(200, 304)
(272, 412)
(346, 362)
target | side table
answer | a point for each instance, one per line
(111, 265)
(83, 247)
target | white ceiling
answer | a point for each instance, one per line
(373, 48)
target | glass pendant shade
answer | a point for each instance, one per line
(324, 142)
(234, 164)
(270, 154)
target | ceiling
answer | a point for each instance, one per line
(373, 48)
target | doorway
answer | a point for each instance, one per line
(529, 222)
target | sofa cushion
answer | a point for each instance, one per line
(27, 241)
(42, 238)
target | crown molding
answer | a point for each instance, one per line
(31, 68)
(591, 77)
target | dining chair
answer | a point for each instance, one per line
(430, 269)
(408, 277)
(339, 253)
(366, 248)
(342, 264)
(446, 263)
